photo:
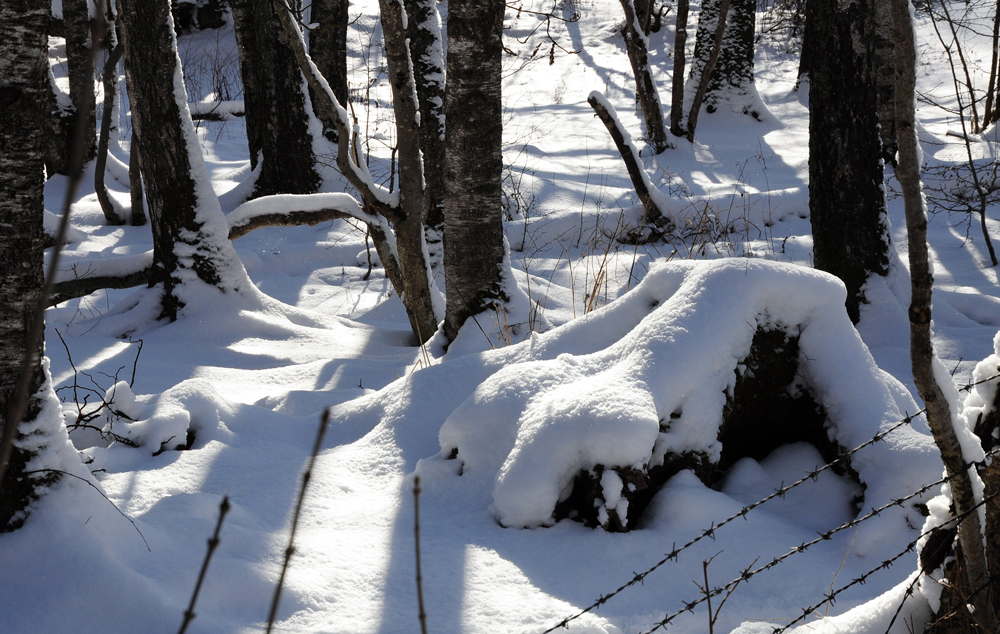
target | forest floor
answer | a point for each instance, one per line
(249, 378)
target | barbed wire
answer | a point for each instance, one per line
(968, 386)
(749, 573)
(710, 532)
(885, 564)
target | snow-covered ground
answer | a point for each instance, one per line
(618, 339)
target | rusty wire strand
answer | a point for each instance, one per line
(710, 532)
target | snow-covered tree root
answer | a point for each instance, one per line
(725, 360)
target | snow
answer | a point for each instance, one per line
(602, 341)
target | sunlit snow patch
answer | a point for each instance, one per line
(657, 394)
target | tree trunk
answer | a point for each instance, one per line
(80, 61)
(426, 50)
(990, 111)
(939, 416)
(885, 81)
(277, 116)
(474, 243)
(645, 89)
(328, 49)
(712, 22)
(732, 75)
(328, 44)
(111, 214)
(677, 81)
(189, 230)
(409, 227)
(846, 201)
(23, 47)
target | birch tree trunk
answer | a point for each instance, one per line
(846, 202)
(474, 243)
(677, 81)
(405, 265)
(712, 22)
(939, 415)
(885, 80)
(23, 84)
(190, 234)
(427, 52)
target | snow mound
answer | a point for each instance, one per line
(659, 388)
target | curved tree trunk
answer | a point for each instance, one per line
(473, 227)
(846, 201)
(712, 22)
(277, 115)
(23, 47)
(409, 226)
(189, 230)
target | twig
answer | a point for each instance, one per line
(290, 550)
(96, 488)
(213, 543)
(416, 548)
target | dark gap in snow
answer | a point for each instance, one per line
(588, 496)
(184, 446)
(771, 406)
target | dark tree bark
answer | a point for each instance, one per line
(731, 77)
(712, 22)
(111, 214)
(23, 47)
(677, 81)
(972, 555)
(189, 230)
(473, 161)
(885, 80)
(645, 89)
(80, 60)
(136, 197)
(846, 202)
(277, 115)
(328, 44)
(426, 50)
